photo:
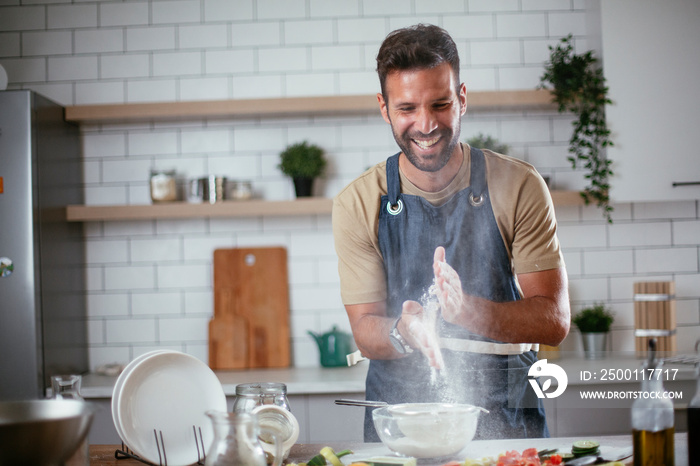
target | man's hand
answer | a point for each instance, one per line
(449, 287)
(541, 316)
(419, 333)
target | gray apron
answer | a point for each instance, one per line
(410, 229)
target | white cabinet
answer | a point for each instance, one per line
(329, 422)
(651, 60)
(320, 419)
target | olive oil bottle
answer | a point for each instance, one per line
(652, 417)
(694, 424)
(653, 447)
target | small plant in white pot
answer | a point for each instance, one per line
(594, 324)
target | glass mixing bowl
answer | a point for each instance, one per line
(426, 430)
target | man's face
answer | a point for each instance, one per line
(424, 110)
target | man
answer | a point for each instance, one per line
(466, 222)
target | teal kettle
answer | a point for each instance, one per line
(334, 346)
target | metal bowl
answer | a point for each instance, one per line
(42, 432)
(426, 430)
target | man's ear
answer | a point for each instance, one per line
(462, 98)
(383, 107)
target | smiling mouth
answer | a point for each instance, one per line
(426, 144)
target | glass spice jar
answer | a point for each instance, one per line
(163, 186)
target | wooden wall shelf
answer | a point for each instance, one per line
(264, 108)
(175, 210)
(253, 208)
(285, 107)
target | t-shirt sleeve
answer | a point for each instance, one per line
(360, 265)
(535, 246)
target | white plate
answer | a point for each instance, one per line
(118, 387)
(169, 393)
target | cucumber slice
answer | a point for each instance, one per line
(585, 448)
(585, 445)
(543, 453)
(578, 454)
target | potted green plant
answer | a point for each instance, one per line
(481, 141)
(594, 324)
(303, 162)
(578, 86)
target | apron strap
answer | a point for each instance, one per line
(477, 177)
(393, 180)
(486, 347)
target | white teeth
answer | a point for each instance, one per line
(426, 144)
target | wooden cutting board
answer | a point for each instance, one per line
(250, 328)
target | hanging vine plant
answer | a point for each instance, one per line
(578, 86)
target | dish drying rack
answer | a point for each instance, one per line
(126, 453)
(682, 359)
(693, 359)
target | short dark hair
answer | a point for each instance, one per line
(422, 46)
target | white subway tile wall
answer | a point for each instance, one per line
(149, 282)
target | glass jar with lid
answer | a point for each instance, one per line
(251, 395)
(163, 186)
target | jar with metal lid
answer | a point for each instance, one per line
(239, 190)
(251, 395)
(163, 186)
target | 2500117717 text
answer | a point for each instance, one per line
(629, 375)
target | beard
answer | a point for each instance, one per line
(434, 162)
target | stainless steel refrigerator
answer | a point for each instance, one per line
(43, 327)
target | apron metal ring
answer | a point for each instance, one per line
(396, 208)
(476, 201)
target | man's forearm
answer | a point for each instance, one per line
(541, 316)
(371, 332)
(537, 319)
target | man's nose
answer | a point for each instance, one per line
(426, 122)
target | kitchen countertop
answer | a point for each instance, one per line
(103, 455)
(320, 380)
(299, 381)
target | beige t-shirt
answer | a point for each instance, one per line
(521, 204)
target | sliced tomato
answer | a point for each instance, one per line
(528, 457)
(510, 458)
(553, 460)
